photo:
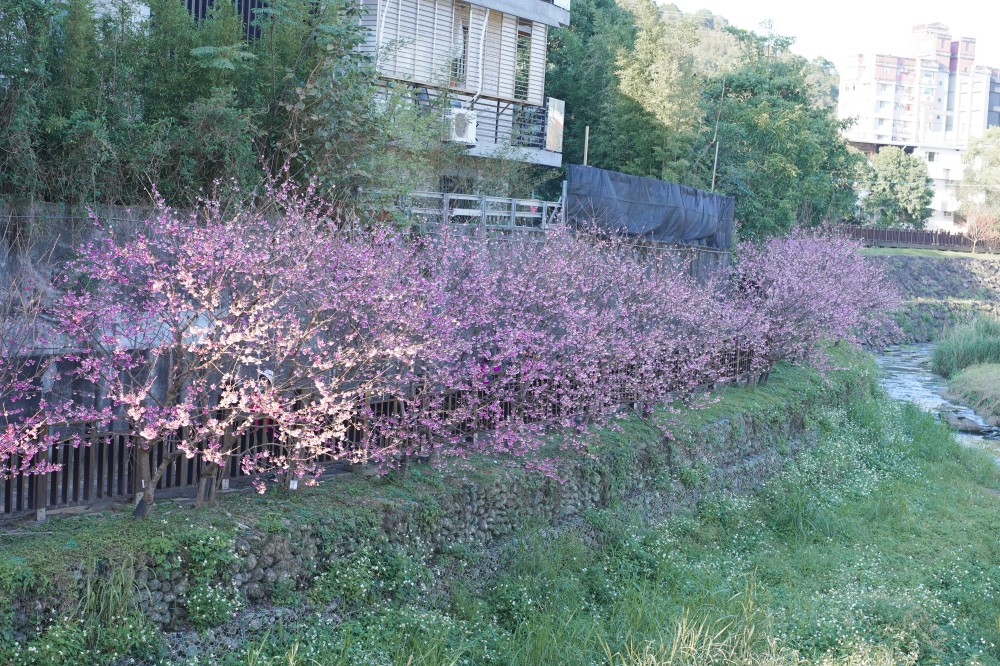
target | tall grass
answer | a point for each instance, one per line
(979, 387)
(967, 344)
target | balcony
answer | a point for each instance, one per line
(516, 130)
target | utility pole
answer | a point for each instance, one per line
(586, 144)
(715, 164)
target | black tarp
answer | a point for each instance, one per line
(648, 209)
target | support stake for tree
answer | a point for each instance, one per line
(40, 498)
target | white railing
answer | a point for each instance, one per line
(442, 207)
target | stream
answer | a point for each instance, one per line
(906, 375)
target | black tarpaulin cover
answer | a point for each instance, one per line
(647, 208)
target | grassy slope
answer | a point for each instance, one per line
(877, 547)
(979, 387)
(878, 544)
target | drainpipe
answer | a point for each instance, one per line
(482, 54)
(380, 31)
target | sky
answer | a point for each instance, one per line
(842, 28)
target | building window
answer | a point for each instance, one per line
(931, 156)
(522, 60)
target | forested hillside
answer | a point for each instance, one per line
(663, 93)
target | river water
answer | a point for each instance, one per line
(906, 375)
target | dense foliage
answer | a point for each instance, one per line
(980, 191)
(897, 189)
(192, 329)
(691, 100)
(100, 102)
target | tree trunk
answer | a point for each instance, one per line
(208, 484)
(143, 486)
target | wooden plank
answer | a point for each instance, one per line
(90, 469)
(75, 492)
(55, 478)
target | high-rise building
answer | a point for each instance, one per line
(930, 104)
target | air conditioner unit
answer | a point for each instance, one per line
(460, 126)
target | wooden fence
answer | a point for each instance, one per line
(915, 238)
(99, 468)
(96, 469)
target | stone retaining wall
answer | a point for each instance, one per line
(940, 292)
(735, 454)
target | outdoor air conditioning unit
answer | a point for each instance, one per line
(460, 126)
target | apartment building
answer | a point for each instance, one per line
(930, 104)
(490, 57)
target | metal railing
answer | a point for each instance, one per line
(502, 212)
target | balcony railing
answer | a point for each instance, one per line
(502, 212)
(517, 124)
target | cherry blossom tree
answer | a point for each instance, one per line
(341, 342)
(200, 327)
(982, 227)
(800, 292)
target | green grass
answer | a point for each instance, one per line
(877, 546)
(971, 343)
(979, 387)
(937, 254)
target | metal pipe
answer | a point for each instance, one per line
(482, 55)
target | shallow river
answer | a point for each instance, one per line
(906, 375)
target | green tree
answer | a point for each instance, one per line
(980, 189)
(822, 76)
(897, 189)
(780, 154)
(657, 74)
(24, 39)
(583, 61)
(626, 70)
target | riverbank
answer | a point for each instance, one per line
(938, 290)
(979, 387)
(875, 546)
(694, 540)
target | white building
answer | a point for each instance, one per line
(490, 55)
(930, 105)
